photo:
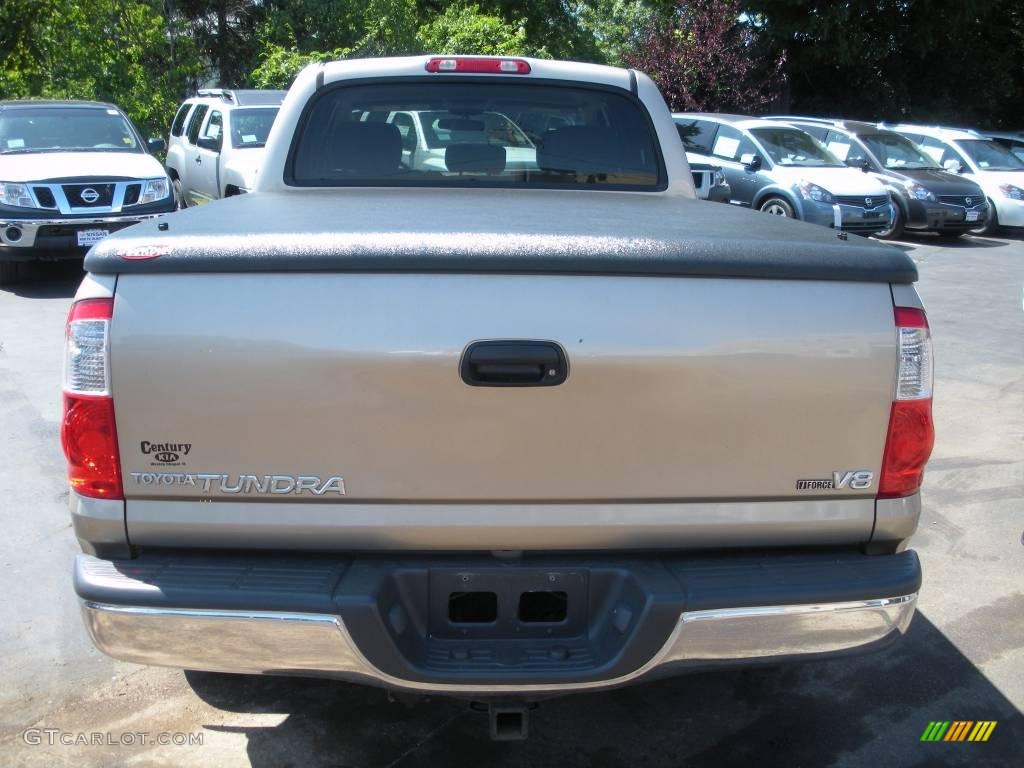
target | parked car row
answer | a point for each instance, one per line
(872, 179)
(72, 172)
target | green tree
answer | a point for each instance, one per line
(951, 61)
(280, 65)
(617, 26)
(465, 29)
(108, 50)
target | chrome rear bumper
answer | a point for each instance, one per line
(314, 644)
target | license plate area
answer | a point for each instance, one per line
(972, 216)
(508, 603)
(91, 236)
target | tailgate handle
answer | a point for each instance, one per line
(514, 364)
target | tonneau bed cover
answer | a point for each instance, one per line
(539, 232)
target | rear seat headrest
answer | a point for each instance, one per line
(475, 158)
(364, 149)
(583, 149)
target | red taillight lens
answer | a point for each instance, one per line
(907, 448)
(911, 435)
(89, 438)
(479, 66)
(88, 433)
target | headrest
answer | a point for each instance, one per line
(475, 158)
(583, 149)
(364, 149)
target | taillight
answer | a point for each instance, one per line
(479, 66)
(88, 433)
(911, 435)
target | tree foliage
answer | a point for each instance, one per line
(955, 61)
(949, 61)
(704, 59)
(109, 50)
(465, 29)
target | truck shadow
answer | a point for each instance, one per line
(47, 280)
(865, 710)
(912, 240)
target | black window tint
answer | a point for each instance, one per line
(403, 121)
(480, 134)
(196, 123)
(697, 135)
(817, 131)
(1015, 147)
(179, 119)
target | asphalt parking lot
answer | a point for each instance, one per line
(963, 658)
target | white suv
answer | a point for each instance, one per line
(216, 144)
(995, 169)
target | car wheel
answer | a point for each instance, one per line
(991, 223)
(10, 271)
(179, 201)
(776, 206)
(893, 232)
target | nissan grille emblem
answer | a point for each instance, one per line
(968, 200)
(867, 201)
(90, 195)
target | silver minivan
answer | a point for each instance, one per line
(781, 170)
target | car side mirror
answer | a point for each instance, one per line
(953, 166)
(207, 143)
(751, 161)
(156, 145)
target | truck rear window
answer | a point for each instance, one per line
(476, 134)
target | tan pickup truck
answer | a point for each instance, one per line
(499, 433)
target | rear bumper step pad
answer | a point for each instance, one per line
(391, 621)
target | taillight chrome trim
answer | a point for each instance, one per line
(88, 314)
(915, 373)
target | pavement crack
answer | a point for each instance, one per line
(424, 740)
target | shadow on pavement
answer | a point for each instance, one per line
(859, 711)
(966, 241)
(47, 280)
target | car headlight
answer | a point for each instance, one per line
(1012, 192)
(814, 192)
(153, 190)
(12, 193)
(921, 193)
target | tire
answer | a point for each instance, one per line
(991, 223)
(777, 206)
(179, 201)
(10, 272)
(896, 230)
